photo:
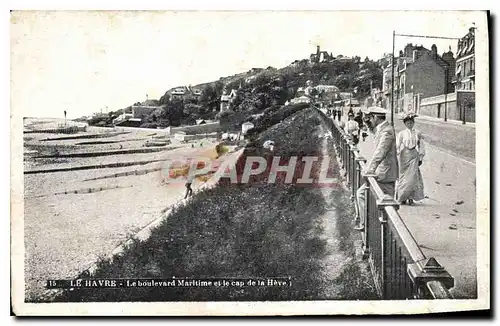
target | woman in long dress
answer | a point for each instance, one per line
(410, 150)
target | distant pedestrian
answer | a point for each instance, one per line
(189, 190)
(359, 120)
(351, 111)
(411, 151)
(351, 129)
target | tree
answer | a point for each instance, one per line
(193, 110)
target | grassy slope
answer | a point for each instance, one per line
(258, 230)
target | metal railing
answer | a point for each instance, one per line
(399, 267)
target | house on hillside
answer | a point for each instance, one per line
(183, 92)
(135, 115)
(255, 70)
(197, 92)
(301, 99)
(193, 91)
(341, 58)
(226, 100)
(246, 126)
(178, 93)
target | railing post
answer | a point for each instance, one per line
(342, 149)
(345, 152)
(349, 163)
(345, 155)
(381, 204)
(358, 159)
(352, 170)
(366, 223)
(428, 270)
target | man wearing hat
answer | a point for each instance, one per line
(383, 164)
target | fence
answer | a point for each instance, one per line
(400, 269)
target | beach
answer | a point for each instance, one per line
(74, 217)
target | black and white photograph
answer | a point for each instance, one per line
(249, 162)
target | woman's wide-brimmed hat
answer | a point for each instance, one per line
(408, 116)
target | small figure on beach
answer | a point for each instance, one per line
(189, 190)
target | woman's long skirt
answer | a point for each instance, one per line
(410, 184)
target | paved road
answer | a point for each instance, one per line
(457, 139)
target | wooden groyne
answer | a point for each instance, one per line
(103, 135)
(91, 167)
(58, 130)
(107, 153)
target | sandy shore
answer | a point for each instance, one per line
(65, 233)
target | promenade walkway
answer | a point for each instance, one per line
(444, 223)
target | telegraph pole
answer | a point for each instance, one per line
(392, 78)
(445, 94)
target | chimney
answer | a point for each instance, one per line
(434, 51)
(317, 49)
(409, 50)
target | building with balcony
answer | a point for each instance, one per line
(183, 92)
(465, 66)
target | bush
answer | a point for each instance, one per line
(152, 125)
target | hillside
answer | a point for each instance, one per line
(260, 89)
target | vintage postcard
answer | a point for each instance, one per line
(249, 162)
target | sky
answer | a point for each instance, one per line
(87, 61)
